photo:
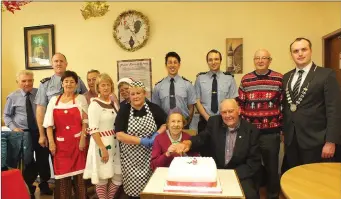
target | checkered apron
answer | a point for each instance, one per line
(135, 159)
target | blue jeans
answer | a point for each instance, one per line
(16, 146)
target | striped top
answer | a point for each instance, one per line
(260, 99)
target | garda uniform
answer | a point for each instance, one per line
(52, 86)
(184, 94)
(226, 88)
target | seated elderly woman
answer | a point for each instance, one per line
(164, 145)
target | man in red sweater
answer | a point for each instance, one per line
(260, 99)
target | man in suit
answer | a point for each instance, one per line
(311, 109)
(235, 145)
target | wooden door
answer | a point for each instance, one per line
(331, 52)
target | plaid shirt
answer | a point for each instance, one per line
(230, 142)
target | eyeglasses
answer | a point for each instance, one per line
(261, 58)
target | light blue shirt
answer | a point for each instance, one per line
(52, 87)
(15, 115)
(184, 94)
(227, 88)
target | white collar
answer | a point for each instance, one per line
(306, 68)
(172, 140)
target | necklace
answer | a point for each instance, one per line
(294, 106)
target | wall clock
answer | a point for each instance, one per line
(131, 30)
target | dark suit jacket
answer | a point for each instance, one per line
(246, 158)
(318, 117)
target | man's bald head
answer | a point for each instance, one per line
(262, 60)
(230, 111)
(263, 52)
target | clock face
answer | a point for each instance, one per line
(131, 30)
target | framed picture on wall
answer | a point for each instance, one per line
(39, 47)
(137, 70)
(234, 58)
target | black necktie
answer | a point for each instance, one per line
(214, 96)
(297, 85)
(172, 102)
(31, 122)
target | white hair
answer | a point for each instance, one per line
(24, 72)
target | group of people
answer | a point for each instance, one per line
(91, 135)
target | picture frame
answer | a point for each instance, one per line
(137, 70)
(234, 55)
(39, 46)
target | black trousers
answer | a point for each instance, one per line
(41, 165)
(269, 142)
(296, 156)
(201, 124)
(206, 151)
(249, 188)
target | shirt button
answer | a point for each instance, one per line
(67, 127)
(65, 111)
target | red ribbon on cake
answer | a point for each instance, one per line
(192, 184)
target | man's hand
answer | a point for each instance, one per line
(281, 136)
(42, 141)
(18, 130)
(207, 117)
(328, 150)
(183, 147)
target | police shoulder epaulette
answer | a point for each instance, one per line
(201, 73)
(186, 79)
(45, 79)
(159, 81)
(228, 73)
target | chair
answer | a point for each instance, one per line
(13, 185)
(190, 132)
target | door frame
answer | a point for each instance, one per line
(325, 43)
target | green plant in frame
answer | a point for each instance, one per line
(40, 45)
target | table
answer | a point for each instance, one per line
(313, 181)
(228, 179)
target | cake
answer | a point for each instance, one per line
(192, 174)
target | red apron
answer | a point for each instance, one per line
(68, 159)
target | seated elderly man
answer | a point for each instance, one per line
(233, 144)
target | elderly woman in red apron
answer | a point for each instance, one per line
(136, 125)
(67, 114)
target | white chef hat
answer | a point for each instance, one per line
(125, 80)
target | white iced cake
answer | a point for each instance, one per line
(192, 171)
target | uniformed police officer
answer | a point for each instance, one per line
(213, 87)
(174, 91)
(49, 87)
(19, 117)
